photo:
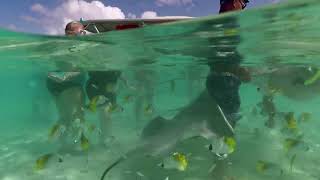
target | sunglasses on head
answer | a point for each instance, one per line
(80, 32)
(244, 4)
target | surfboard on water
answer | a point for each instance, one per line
(105, 25)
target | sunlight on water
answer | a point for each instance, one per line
(165, 68)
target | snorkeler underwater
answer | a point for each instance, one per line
(160, 90)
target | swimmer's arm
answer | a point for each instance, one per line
(70, 75)
(61, 78)
(54, 76)
(261, 71)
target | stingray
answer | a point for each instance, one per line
(202, 118)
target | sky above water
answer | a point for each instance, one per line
(50, 16)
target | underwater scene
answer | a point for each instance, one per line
(156, 104)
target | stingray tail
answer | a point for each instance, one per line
(110, 167)
(230, 128)
(121, 159)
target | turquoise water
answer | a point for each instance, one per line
(167, 67)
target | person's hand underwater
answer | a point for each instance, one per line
(244, 74)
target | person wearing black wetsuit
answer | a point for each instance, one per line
(226, 74)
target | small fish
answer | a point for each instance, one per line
(273, 90)
(264, 166)
(128, 98)
(148, 109)
(175, 161)
(110, 87)
(304, 117)
(97, 101)
(110, 108)
(223, 147)
(54, 131)
(42, 161)
(181, 158)
(84, 142)
(290, 143)
(93, 104)
(291, 121)
(231, 143)
(261, 166)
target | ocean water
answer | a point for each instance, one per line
(166, 69)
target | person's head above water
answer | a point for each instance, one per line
(232, 5)
(74, 28)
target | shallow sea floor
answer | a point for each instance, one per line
(255, 142)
